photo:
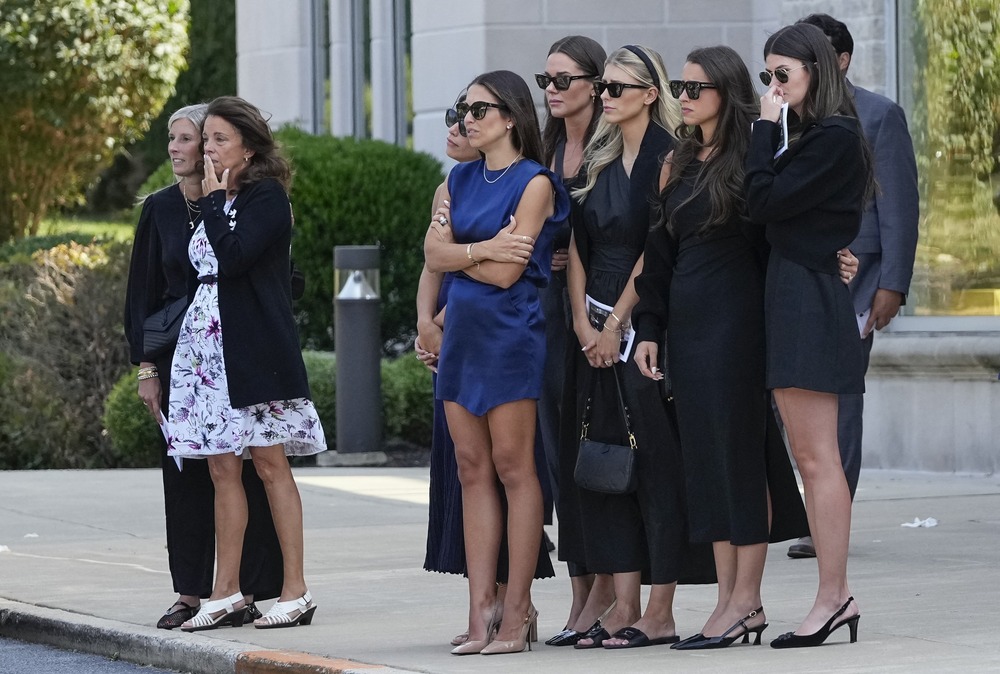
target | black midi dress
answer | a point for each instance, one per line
(710, 288)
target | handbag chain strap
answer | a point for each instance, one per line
(623, 408)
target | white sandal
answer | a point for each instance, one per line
(228, 616)
(288, 613)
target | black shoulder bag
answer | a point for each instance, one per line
(161, 329)
(601, 466)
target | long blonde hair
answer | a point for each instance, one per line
(607, 143)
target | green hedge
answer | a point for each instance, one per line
(358, 192)
(407, 399)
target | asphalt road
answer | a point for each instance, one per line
(18, 657)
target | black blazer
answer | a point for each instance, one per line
(260, 341)
(160, 270)
(810, 198)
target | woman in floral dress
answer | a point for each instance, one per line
(237, 380)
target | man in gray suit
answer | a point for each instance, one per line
(886, 244)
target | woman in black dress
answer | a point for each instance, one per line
(703, 281)
(810, 197)
(626, 534)
(573, 108)
(159, 273)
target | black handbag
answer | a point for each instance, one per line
(601, 466)
(161, 329)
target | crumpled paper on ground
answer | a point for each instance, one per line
(919, 523)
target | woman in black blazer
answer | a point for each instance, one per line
(810, 196)
(238, 382)
(159, 273)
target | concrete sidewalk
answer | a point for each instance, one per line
(83, 565)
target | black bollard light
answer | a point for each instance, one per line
(358, 345)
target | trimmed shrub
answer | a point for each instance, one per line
(358, 192)
(408, 400)
(136, 441)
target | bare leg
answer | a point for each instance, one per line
(230, 522)
(627, 609)
(581, 587)
(286, 510)
(745, 594)
(725, 569)
(601, 596)
(811, 423)
(512, 432)
(658, 620)
(481, 512)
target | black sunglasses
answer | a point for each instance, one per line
(451, 118)
(562, 82)
(692, 88)
(479, 108)
(615, 89)
(781, 74)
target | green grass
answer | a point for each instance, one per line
(118, 229)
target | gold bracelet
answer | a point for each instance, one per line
(618, 329)
(148, 375)
(468, 254)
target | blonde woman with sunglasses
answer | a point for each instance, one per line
(626, 534)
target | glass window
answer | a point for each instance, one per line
(949, 58)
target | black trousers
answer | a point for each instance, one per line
(189, 505)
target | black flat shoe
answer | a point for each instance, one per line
(724, 640)
(793, 640)
(567, 637)
(637, 639)
(597, 634)
(175, 618)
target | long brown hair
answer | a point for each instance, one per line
(512, 91)
(590, 56)
(267, 160)
(722, 173)
(828, 94)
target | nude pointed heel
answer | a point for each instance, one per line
(529, 633)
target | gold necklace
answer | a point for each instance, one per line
(516, 159)
(192, 211)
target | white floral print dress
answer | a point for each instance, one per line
(201, 421)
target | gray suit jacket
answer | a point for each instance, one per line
(887, 242)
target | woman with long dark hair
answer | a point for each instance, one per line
(493, 350)
(573, 109)
(703, 282)
(810, 197)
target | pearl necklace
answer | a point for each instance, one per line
(516, 159)
(192, 211)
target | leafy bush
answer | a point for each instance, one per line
(408, 400)
(21, 250)
(351, 192)
(134, 436)
(34, 424)
(79, 78)
(62, 328)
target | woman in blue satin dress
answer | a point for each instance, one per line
(493, 351)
